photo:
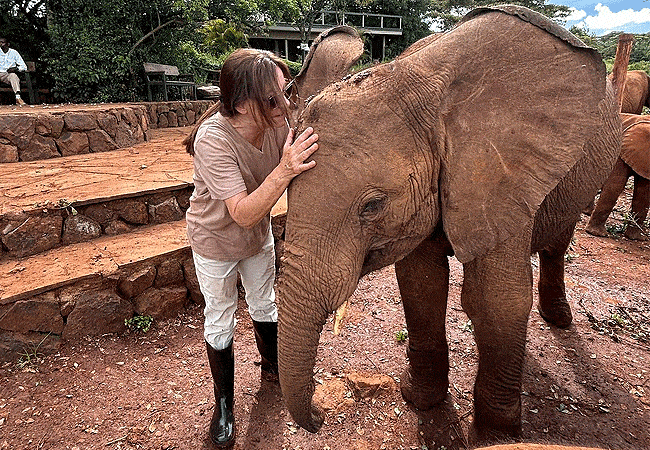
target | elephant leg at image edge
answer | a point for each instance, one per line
(423, 278)
(497, 296)
(640, 202)
(553, 305)
(608, 196)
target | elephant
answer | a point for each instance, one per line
(634, 161)
(636, 94)
(484, 143)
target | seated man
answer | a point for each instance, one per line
(10, 64)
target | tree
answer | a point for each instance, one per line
(220, 37)
(23, 22)
(415, 25)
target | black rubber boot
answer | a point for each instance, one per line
(222, 366)
(266, 336)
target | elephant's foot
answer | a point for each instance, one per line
(596, 230)
(423, 394)
(496, 423)
(314, 422)
(556, 311)
(637, 234)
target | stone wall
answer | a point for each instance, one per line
(158, 287)
(175, 114)
(47, 133)
(44, 134)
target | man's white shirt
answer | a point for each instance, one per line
(11, 59)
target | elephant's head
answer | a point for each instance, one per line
(636, 94)
(465, 133)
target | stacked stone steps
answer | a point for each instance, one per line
(60, 201)
(89, 240)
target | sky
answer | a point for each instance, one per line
(602, 17)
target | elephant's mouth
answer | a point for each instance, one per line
(374, 260)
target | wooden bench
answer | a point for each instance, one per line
(27, 82)
(167, 76)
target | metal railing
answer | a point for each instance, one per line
(366, 21)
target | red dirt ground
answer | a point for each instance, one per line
(587, 385)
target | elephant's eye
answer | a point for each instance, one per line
(372, 208)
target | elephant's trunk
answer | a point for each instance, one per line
(299, 326)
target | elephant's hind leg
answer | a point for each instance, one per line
(611, 190)
(497, 296)
(553, 305)
(423, 278)
(640, 202)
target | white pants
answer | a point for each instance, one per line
(218, 282)
(12, 79)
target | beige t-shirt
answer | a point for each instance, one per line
(226, 164)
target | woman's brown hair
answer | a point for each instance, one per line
(247, 74)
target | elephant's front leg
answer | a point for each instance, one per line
(423, 278)
(553, 305)
(497, 296)
(612, 188)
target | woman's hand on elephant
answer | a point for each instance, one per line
(295, 154)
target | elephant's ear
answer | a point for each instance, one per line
(635, 148)
(523, 100)
(330, 57)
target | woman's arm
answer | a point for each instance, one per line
(248, 209)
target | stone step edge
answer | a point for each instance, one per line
(55, 227)
(100, 258)
(45, 132)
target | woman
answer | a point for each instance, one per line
(244, 158)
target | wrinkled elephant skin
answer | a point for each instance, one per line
(633, 162)
(485, 143)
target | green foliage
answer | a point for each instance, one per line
(98, 46)
(31, 354)
(401, 335)
(414, 24)
(139, 323)
(24, 24)
(606, 46)
(294, 67)
(220, 36)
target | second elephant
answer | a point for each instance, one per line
(634, 161)
(636, 94)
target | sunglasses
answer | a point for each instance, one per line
(290, 93)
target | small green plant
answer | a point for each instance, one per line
(139, 323)
(617, 319)
(616, 229)
(31, 354)
(402, 335)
